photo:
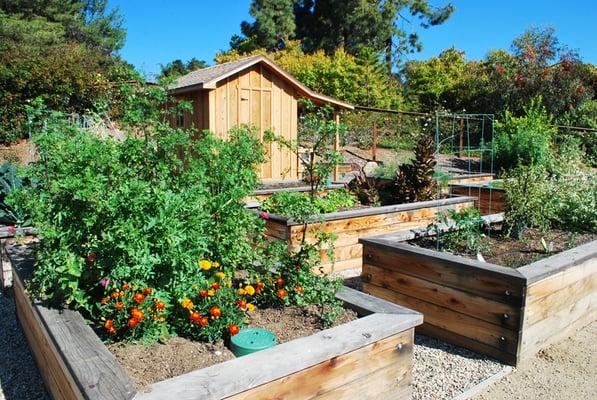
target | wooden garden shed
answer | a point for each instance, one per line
(255, 91)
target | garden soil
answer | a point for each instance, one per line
(566, 370)
(509, 252)
(150, 364)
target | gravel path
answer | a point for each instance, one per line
(443, 371)
(19, 378)
(565, 370)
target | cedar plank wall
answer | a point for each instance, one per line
(488, 201)
(465, 302)
(461, 304)
(347, 249)
(558, 305)
(259, 97)
(376, 371)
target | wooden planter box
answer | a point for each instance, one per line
(471, 178)
(506, 313)
(371, 356)
(488, 200)
(262, 194)
(350, 226)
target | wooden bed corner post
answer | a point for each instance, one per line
(337, 141)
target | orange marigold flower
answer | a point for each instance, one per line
(215, 312)
(203, 321)
(160, 306)
(133, 323)
(139, 297)
(125, 286)
(137, 314)
(147, 291)
(203, 293)
(108, 324)
(119, 306)
(105, 300)
(281, 293)
(114, 294)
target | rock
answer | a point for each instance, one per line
(370, 168)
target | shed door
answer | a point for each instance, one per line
(255, 108)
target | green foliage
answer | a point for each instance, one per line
(11, 185)
(147, 208)
(61, 52)
(290, 279)
(525, 140)
(273, 26)
(178, 67)
(332, 25)
(296, 203)
(529, 202)
(465, 233)
(584, 116)
(338, 74)
(537, 199)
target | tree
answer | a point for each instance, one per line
(61, 52)
(357, 80)
(330, 25)
(84, 21)
(178, 67)
(273, 26)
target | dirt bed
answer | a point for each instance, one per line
(150, 364)
(510, 252)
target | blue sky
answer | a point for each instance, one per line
(160, 31)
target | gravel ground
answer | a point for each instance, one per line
(19, 378)
(565, 370)
(442, 371)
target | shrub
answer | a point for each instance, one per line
(534, 198)
(529, 201)
(144, 235)
(525, 140)
(299, 204)
(144, 210)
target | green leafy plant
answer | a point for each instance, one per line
(145, 209)
(465, 231)
(11, 183)
(525, 140)
(529, 200)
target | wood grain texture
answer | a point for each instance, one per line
(478, 330)
(488, 201)
(383, 366)
(509, 314)
(72, 360)
(240, 375)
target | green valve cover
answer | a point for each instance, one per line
(250, 340)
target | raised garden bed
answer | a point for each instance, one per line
(350, 226)
(287, 186)
(507, 313)
(488, 199)
(371, 356)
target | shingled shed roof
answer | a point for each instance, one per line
(207, 78)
